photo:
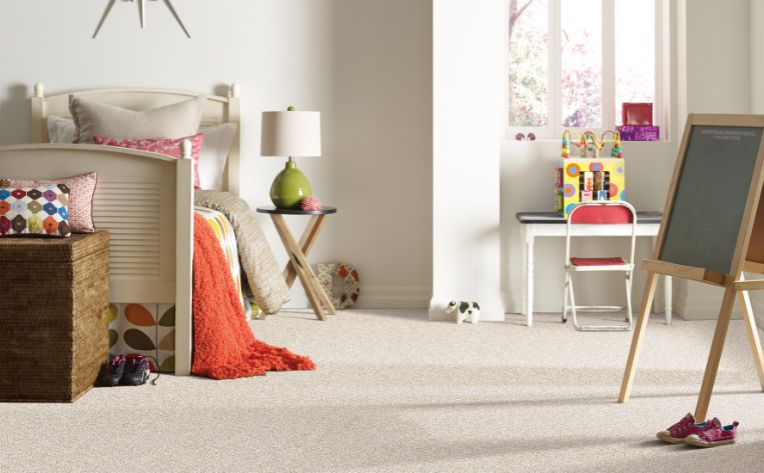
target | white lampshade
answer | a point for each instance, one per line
(290, 134)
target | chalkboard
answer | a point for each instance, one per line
(710, 196)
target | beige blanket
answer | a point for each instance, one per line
(261, 273)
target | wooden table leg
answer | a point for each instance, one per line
(639, 334)
(300, 264)
(529, 241)
(706, 389)
(312, 279)
(308, 238)
(753, 334)
(289, 245)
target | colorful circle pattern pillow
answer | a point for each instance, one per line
(40, 210)
(80, 206)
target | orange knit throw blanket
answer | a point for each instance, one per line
(224, 346)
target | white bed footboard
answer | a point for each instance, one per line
(145, 200)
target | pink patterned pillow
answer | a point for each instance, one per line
(81, 189)
(170, 147)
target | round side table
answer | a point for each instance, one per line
(298, 265)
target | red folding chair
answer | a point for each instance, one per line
(598, 213)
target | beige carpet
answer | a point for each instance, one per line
(396, 393)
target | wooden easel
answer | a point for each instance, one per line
(698, 239)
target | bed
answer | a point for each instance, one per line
(146, 201)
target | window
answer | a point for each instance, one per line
(572, 63)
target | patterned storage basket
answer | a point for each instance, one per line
(53, 338)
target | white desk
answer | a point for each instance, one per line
(552, 224)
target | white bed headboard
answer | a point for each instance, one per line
(217, 109)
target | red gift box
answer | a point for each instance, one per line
(634, 113)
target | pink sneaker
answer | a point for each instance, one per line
(714, 435)
(679, 431)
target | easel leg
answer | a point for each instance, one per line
(639, 333)
(706, 389)
(753, 334)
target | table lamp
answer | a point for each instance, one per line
(290, 134)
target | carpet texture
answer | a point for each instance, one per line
(224, 347)
(393, 392)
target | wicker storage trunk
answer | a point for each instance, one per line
(53, 316)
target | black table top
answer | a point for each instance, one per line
(270, 209)
(556, 217)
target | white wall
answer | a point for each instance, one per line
(365, 64)
(756, 25)
(756, 16)
(526, 185)
(715, 53)
(467, 91)
(710, 73)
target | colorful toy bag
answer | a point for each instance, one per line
(589, 178)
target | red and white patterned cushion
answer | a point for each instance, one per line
(81, 189)
(170, 147)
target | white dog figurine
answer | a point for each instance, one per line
(469, 311)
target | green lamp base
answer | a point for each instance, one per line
(290, 187)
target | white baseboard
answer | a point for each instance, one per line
(490, 311)
(703, 308)
(437, 314)
(379, 297)
(758, 314)
(698, 307)
(708, 309)
(514, 304)
(394, 297)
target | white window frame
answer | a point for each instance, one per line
(553, 130)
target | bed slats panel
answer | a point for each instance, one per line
(134, 200)
(131, 211)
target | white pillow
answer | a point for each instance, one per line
(212, 159)
(60, 130)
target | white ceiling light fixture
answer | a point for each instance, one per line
(142, 14)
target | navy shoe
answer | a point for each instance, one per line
(113, 372)
(136, 372)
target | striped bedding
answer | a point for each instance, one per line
(227, 238)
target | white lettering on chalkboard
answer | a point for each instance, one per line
(729, 135)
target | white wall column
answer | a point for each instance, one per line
(467, 102)
(714, 54)
(756, 15)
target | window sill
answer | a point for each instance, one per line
(558, 140)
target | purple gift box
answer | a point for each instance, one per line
(639, 132)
